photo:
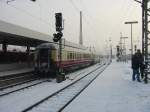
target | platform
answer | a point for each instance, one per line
(113, 91)
(14, 68)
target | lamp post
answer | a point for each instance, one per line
(131, 23)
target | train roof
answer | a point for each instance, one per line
(67, 45)
(64, 43)
(47, 45)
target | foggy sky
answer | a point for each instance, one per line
(102, 19)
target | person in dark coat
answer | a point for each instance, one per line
(141, 59)
(135, 67)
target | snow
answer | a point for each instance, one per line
(113, 91)
(57, 102)
(20, 100)
(20, 86)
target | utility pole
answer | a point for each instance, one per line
(145, 33)
(58, 38)
(80, 36)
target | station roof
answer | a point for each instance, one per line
(17, 35)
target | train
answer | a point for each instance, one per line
(73, 56)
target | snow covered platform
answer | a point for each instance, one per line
(113, 91)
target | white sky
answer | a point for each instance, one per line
(102, 19)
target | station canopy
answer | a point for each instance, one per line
(13, 34)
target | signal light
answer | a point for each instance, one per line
(57, 36)
(58, 23)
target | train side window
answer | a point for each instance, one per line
(71, 56)
(68, 55)
(75, 55)
(65, 55)
(78, 56)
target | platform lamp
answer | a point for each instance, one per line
(131, 22)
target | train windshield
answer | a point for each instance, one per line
(43, 57)
(43, 53)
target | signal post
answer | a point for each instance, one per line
(60, 76)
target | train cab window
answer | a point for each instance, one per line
(43, 53)
(43, 57)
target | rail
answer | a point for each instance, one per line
(85, 80)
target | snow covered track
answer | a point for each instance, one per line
(21, 100)
(57, 101)
(13, 80)
(6, 92)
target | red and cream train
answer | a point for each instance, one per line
(73, 57)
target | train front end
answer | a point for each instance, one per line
(43, 61)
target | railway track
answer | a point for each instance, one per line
(17, 79)
(7, 92)
(57, 101)
(24, 85)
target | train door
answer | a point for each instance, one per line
(36, 59)
(43, 58)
